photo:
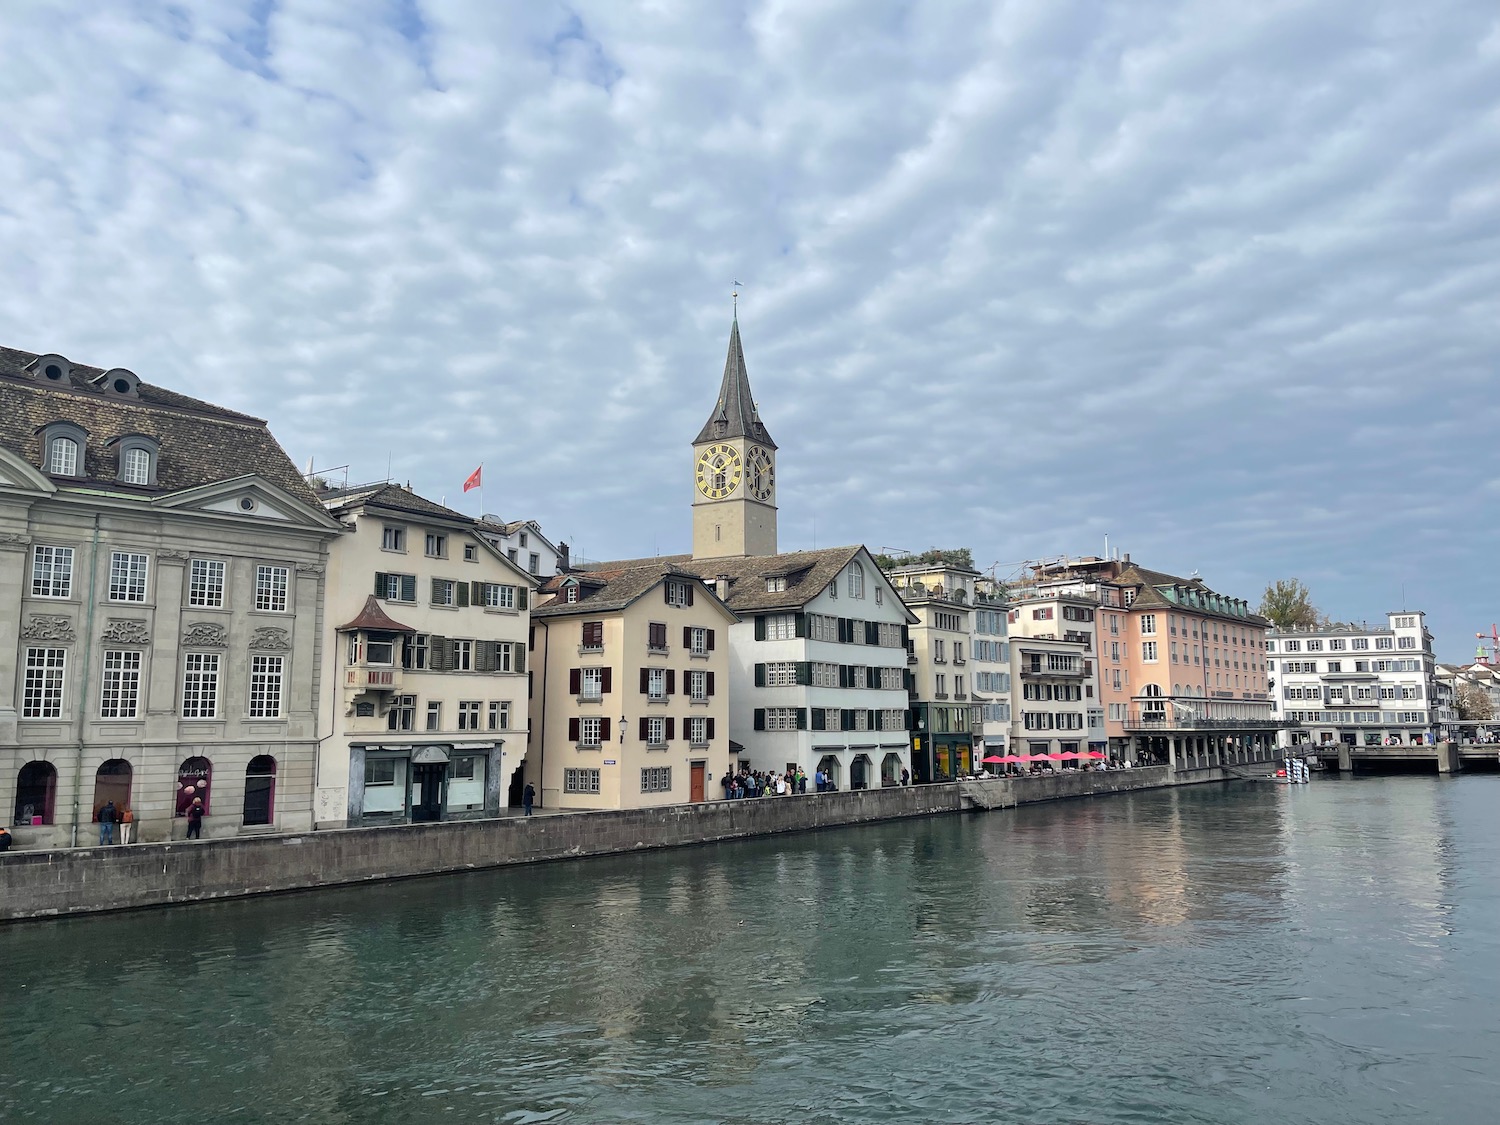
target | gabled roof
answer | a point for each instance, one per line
(373, 617)
(200, 443)
(614, 588)
(393, 497)
(735, 414)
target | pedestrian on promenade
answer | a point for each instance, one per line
(528, 797)
(127, 822)
(819, 780)
(195, 819)
(107, 823)
(905, 776)
(801, 780)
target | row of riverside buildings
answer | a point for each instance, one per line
(188, 618)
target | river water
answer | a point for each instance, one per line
(1219, 954)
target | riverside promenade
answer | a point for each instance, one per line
(53, 883)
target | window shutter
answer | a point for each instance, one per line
(573, 729)
(689, 602)
(671, 681)
(604, 725)
(710, 683)
(710, 640)
(437, 653)
(645, 728)
(760, 675)
(476, 593)
(801, 622)
(583, 637)
(645, 680)
(462, 590)
(819, 719)
(710, 730)
(801, 718)
(606, 680)
(379, 584)
(846, 719)
(873, 720)
(672, 723)
(687, 636)
(518, 657)
(666, 591)
(408, 587)
(760, 626)
(575, 681)
(905, 634)
(760, 718)
(484, 656)
(844, 677)
(872, 633)
(844, 631)
(804, 673)
(437, 590)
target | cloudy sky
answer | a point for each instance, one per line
(1219, 281)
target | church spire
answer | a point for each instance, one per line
(735, 414)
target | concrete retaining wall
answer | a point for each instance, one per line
(1007, 793)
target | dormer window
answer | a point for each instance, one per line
(63, 446)
(118, 381)
(138, 456)
(53, 368)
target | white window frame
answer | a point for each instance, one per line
(129, 573)
(591, 683)
(698, 641)
(656, 684)
(697, 685)
(51, 572)
(45, 685)
(63, 454)
(580, 781)
(120, 684)
(499, 717)
(697, 731)
(135, 465)
(656, 779)
(267, 680)
(271, 585)
(656, 730)
(200, 685)
(591, 730)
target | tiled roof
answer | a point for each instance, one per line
(391, 496)
(1150, 596)
(807, 575)
(607, 588)
(200, 443)
(372, 616)
(735, 414)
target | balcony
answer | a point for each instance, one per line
(1147, 720)
(363, 677)
(1035, 672)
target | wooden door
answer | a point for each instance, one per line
(695, 792)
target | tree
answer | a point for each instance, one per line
(1287, 604)
(953, 556)
(1473, 703)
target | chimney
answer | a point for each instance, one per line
(721, 587)
(562, 557)
(1126, 560)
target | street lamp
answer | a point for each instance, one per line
(622, 729)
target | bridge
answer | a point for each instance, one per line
(1448, 757)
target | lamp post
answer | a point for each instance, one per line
(623, 725)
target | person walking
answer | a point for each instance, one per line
(195, 819)
(528, 797)
(127, 822)
(905, 776)
(107, 823)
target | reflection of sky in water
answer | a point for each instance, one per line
(1218, 954)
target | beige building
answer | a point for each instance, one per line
(631, 674)
(1057, 706)
(425, 689)
(161, 577)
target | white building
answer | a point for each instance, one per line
(1361, 685)
(522, 542)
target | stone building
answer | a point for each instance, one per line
(159, 606)
(425, 688)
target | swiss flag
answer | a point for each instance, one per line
(473, 481)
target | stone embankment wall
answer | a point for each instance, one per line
(43, 884)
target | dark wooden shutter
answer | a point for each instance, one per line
(710, 730)
(845, 632)
(379, 584)
(689, 586)
(604, 736)
(872, 633)
(873, 720)
(437, 653)
(846, 719)
(575, 681)
(521, 593)
(801, 624)
(760, 718)
(710, 683)
(905, 634)
(437, 590)
(844, 675)
(518, 657)
(573, 729)
(672, 723)
(819, 719)
(645, 681)
(760, 675)
(606, 680)
(462, 590)
(760, 626)
(484, 656)
(583, 639)
(710, 640)
(687, 637)
(476, 593)
(671, 681)
(801, 718)
(645, 729)
(804, 673)
(409, 588)
(666, 591)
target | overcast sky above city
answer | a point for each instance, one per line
(1219, 281)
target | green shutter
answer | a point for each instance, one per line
(801, 718)
(819, 720)
(437, 590)
(760, 626)
(801, 624)
(379, 584)
(409, 588)
(521, 592)
(804, 673)
(760, 674)
(760, 718)
(437, 653)
(484, 656)
(518, 656)
(462, 590)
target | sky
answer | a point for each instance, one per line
(1220, 282)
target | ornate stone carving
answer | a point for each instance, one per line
(205, 634)
(122, 632)
(270, 639)
(46, 627)
(174, 556)
(310, 568)
(13, 542)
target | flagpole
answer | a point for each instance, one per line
(481, 490)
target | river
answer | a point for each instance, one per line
(1329, 953)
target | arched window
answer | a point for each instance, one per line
(62, 457)
(36, 793)
(193, 783)
(260, 790)
(112, 783)
(135, 465)
(856, 581)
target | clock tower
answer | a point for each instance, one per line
(734, 471)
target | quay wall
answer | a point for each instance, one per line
(58, 882)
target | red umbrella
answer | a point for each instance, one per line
(1056, 757)
(1069, 755)
(993, 760)
(1012, 759)
(1097, 754)
(1033, 758)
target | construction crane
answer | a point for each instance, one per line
(1494, 639)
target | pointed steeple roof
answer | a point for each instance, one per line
(735, 414)
(372, 617)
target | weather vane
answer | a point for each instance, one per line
(736, 296)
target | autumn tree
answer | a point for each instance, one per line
(1473, 703)
(1287, 604)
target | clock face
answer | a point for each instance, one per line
(760, 474)
(719, 471)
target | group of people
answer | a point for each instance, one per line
(758, 783)
(109, 816)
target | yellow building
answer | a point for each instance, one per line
(629, 675)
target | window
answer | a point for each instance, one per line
(656, 683)
(120, 685)
(396, 587)
(51, 572)
(1406, 622)
(940, 682)
(1407, 642)
(952, 622)
(591, 731)
(698, 641)
(656, 638)
(1361, 643)
(1384, 642)
(697, 731)
(1043, 614)
(656, 779)
(434, 715)
(127, 576)
(958, 652)
(781, 673)
(534, 563)
(444, 591)
(468, 715)
(1291, 646)
(62, 457)
(1335, 666)
(1314, 646)
(593, 635)
(200, 685)
(393, 539)
(570, 593)
(833, 590)
(591, 683)
(781, 626)
(463, 656)
(697, 685)
(265, 686)
(403, 713)
(656, 731)
(1148, 624)
(776, 584)
(1337, 645)
(499, 597)
(523, 540)
(678, 593)
(206, 583)
(580, 781)
(500, 716)
(436, 546)
(380, 771)
(937, 650)
(414, 652)
(1148, 650)
(42, 695)
(856, 581)
(781, 718)
(512, 554)
(471, 554)
(135, 465)
(270, 588)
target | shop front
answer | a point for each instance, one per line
(419, 783)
